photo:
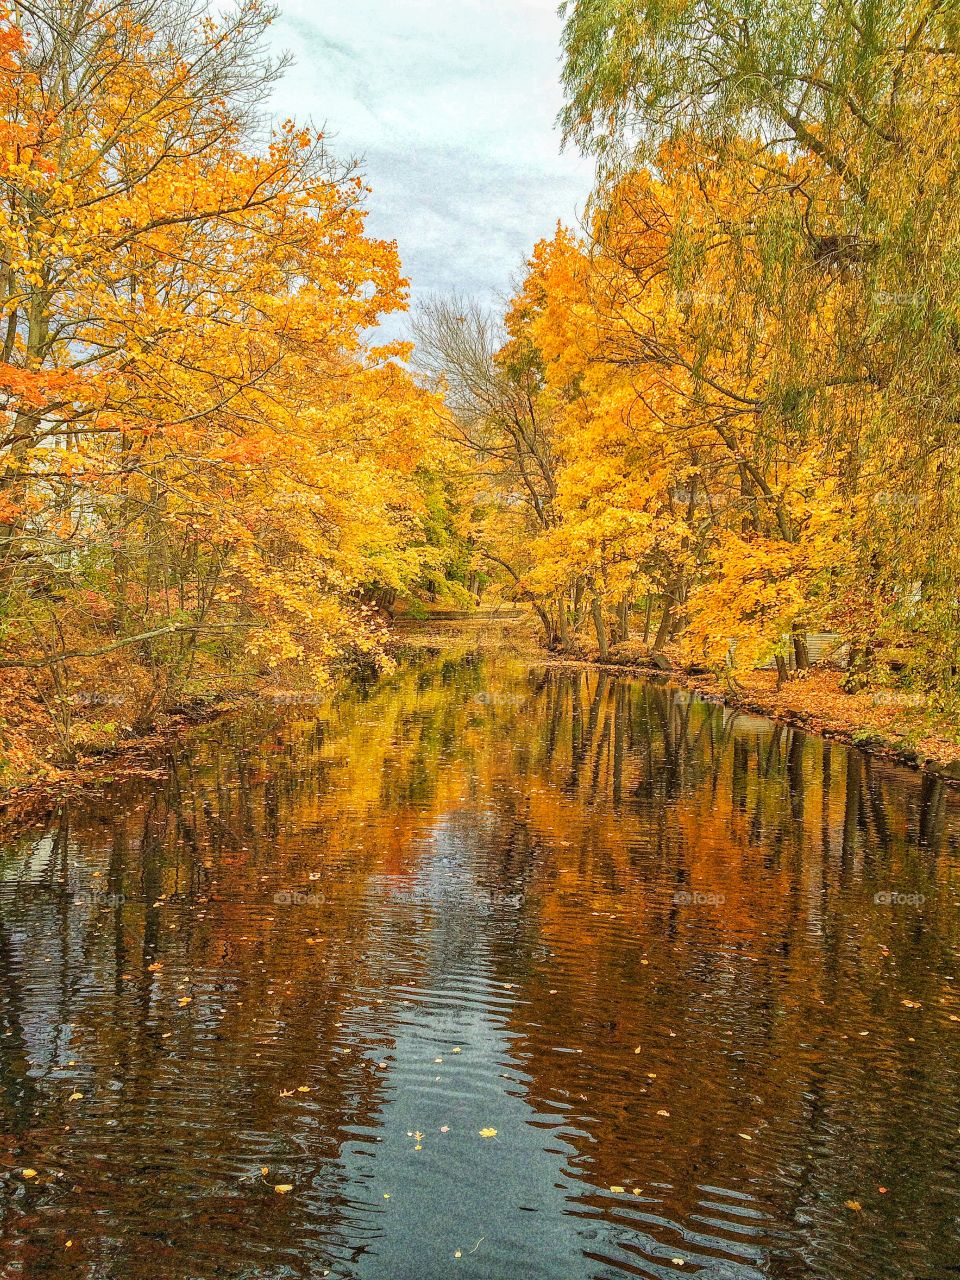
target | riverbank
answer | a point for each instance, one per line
(886, 723)
(889, 723)
(46, 781)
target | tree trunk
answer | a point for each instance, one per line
(600, 625)
(578, 604)
(801, 654)
(623, 620)
(564, 623)
(547, 623)
(666, 625)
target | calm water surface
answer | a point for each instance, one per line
(698, 973)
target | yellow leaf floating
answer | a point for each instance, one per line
(488, 1133)
(855, 1205)
(283, 1188)
(29, 1173)
(618, 1191)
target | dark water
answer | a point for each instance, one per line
(697, 972)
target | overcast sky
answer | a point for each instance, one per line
(451, 105)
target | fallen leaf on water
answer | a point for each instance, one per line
(661, 1112)
(678, 1262)
(303, 1088)
(855, 1205)
(283, 1188)
(185, 1000)
(457, 1049)
(488, 1133)
(882, 1190)
(745, 1136)
(154, 968)
(618, 1191)
(286, 1093)
(75, 1097)
(264, 1169)
(29, 1173)
(444, 1128)
(458, 1253)
(912, 1004)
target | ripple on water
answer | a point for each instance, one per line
(505, 972)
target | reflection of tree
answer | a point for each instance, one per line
(593, 805)
(767, 991)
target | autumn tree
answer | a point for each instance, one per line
(500, 424)
(203, 460)
(857, 103)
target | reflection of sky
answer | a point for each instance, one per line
(451, 106)
(460, 1191)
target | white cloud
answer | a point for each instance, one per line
(451, 105)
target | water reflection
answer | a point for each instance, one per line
(697, 971)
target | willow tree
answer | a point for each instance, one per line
(864, 97)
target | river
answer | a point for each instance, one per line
(485, 969)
